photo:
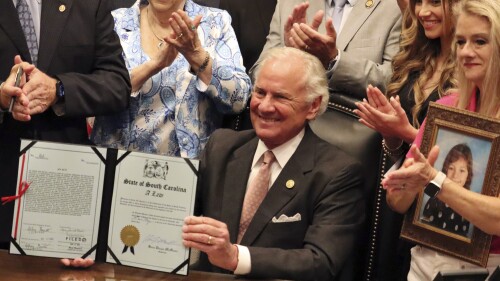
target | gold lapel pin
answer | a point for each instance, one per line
(290, 184)
(369, 3)
(62, 8)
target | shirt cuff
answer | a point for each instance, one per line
(333, 64)
(244, 261)
(200, 85)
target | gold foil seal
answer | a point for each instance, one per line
(130, 235)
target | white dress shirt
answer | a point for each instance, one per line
(283, 153)
(329, 6)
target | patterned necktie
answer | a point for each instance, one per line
(256, 192)
(28, 28)
(337, 14)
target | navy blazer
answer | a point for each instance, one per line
(327, 193)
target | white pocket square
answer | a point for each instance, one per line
(285, 218)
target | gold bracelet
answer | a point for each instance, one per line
(204, 64)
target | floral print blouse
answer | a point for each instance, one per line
(174, 112)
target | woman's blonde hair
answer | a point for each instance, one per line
(489, 101)
(418, 54)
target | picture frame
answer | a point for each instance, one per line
(432, 223)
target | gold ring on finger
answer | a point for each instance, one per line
(179, 36)
(209, 242)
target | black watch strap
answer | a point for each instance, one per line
(59, 92)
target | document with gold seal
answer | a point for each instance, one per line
(152, 195)
(110, 205)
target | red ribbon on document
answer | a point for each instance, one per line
(24, 186)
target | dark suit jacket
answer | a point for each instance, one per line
(251, 21)
(80, 48)
(116, 4)
(326, 193)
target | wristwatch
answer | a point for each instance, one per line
(59, 92)
(432, 189)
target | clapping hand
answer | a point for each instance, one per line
(165, 56)
(307, 38)
(385, 116)
(415, 173)
(299, 34)
(185, 37)
(298, 16)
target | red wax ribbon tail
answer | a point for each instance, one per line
(24, 188)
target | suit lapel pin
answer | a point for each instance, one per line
(62, 8)
(369, 3)
(290, 184)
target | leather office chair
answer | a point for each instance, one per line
(378, 256)
(340, 126)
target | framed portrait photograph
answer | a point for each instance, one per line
(470, 156)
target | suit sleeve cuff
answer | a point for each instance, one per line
(59, 109)
(332, 66)
(244, 261)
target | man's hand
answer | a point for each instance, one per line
(298, 16)
(307, 38)
(20, 110)
(41, 91)
(211, 237)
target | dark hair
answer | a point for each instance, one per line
(460, 151)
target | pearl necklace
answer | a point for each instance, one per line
(152, 31)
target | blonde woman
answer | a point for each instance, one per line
(478, 58)
(422, 71)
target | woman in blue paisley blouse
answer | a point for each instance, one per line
(186, 72)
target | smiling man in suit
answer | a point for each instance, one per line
(303, 224)
(74, 69)
(354, 39)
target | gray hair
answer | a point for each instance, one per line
(316, 83)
